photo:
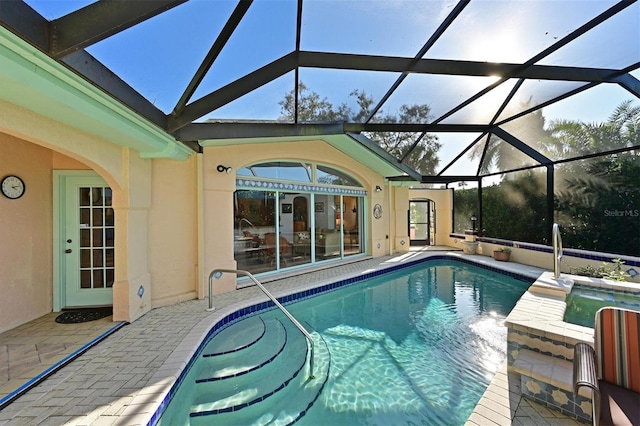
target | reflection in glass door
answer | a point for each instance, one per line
(421, 222)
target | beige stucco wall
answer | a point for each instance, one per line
(25, 234)
(544, 260)
(173, 259)
(218, 188)
(400, 217)
(155, 212)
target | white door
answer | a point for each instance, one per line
(87, 232)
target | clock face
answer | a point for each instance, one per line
(12, 187)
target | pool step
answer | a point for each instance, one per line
(236, 391)
(222, 365)
(236, 337)
(259, 395)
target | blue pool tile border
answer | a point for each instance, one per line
(301, 295)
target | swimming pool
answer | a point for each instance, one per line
(419, 345)
(583, 303)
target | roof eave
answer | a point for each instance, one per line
(38, 83)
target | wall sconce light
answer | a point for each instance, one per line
(222, 169)
(378, 189)
(474, 218)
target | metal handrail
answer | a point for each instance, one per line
(557, 249)
(273, 299)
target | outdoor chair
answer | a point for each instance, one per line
(611, 369)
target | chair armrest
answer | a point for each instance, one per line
(584, 368)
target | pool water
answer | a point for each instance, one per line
(584, 302)
(415, 346)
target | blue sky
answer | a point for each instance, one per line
(159, 56)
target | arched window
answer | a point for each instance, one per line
(290, 213)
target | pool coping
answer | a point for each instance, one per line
(542, 307)
(29, 384)
(179, 361)
(538, 333)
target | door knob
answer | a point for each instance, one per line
(67, 251)
(69, 240)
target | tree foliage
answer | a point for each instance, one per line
(597, 200)
(312, 108)
(499, 155)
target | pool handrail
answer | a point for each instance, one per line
(557, 249)
(273, 299)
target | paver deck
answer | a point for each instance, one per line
(123, 379)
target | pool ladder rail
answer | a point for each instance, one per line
(217, 273)
(557, 250)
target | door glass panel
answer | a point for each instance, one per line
(97, 258)
(85, 237)
(421, 231)
(300, 222)
(85, 196)
(85, 279)
(98, 279)
(327, 231)
(85, 217)
(97, 267)
(351, 225)
(110, 232)
(97, 217)
(110, 277)
(295, 229)
(254, 245)
(421, 222)
(109, 256)
(97, 237)
(85, 258)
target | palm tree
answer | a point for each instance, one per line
(598, 199)
(499, 155)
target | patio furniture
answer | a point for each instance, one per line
(611, 369)
(328, 243)
(270, 247)
(302, 244)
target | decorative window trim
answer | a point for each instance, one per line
(244, 183)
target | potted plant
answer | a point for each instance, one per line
(502, 254)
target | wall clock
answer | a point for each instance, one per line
(12, 187)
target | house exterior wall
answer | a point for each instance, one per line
(154, 202)
(174, 219)
(25, 234)
(218, 191)
(400, 218)
(173, 247)
(173, 210)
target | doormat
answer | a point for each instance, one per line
(83, 315)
